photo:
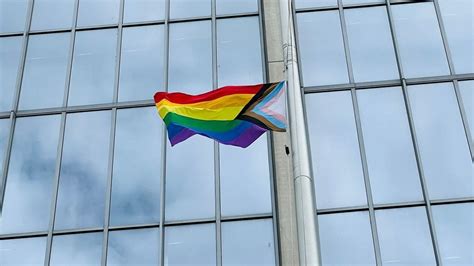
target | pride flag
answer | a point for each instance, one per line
(233, 115)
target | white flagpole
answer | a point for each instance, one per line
(305, 208)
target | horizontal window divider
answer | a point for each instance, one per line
(23, 235)
(98, 27)
(77, 231)
(134, 226)
(372, 4)
(189, 222)
(452, 201)
(50, 31)
(246, 217)
(342, 209)
(11, 34)
(143, 23)
(237, 15)
(399, 205)
(394, 2)
(4, 115)
(439, 79)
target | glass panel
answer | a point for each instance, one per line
(134, 247)
(443, 146)
(10, 52)
(93, 69)
(190, 245)
(234, 7)
(44, 78)
(368, 31)
(52, 14)
(339, 180)
(239, 51)
(458, 23)
(353, 2)
(190, 66)
(245, 181)
(77, 249)
(141, 68)
(13, 15)
(30, 176)
(190, 179)
(323, 59)
(404, 237)
(315, 3)
(190, 8)
(93, 12)
(467, 94)
(143, 10)
(248, 243)
(4, 132)
(421, 48)
(25, 251)
(455, 233)
(389, 149)
(346, 239)
(84, 166)
(137, 167)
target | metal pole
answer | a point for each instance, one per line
(305, 208)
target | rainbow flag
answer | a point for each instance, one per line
(233, 115)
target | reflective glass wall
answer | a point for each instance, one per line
(388, 94)
(87, 174)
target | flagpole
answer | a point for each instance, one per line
(308, 248)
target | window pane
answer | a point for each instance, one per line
(25, 251)
(93, 69)
(77, 249)
(443, 146)
(353, 2)
(137, 167)
(143, 10)
(389, 149)
(83, 171)
(13, 15)
(421, 48)
(322, 53)
(239, 51)
(368, 31)
(141, 68)
(4, 132)
(30, 176)
(245, 181)
(134, 247)
(248, 243)
(233, 6)
(52, 14)
(315, 3)
(458, 23)
(190, 66)
(93, 12)
(404, 237)
(339, 180)
(190, 179)
(10, 52)
(44, 78)
(190, 245)
(455, 233)
(467, 94)
(346, 239)
(190, 8)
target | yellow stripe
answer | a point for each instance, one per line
(223, 108)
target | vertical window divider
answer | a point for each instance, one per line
(297, 43)
(217, 177)
(71, 54)
(465, 121)
(394, 39)
(444, 37)
(360, 137)
(166, 40)
(6, 159)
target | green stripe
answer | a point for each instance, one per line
(201, 125)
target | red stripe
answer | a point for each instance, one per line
(183, 98)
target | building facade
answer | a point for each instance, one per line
(87, 176)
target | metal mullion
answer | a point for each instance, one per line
(345, 41)
(453, 201)
(394, 39)
(23, 235)
(297, 43)
(164, 139)
(71, 53)
(57, 173)
(464, 118)
(444, 37)
(6, 159)
(11, 34)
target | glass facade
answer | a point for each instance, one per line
(88, 176)
(388, 95)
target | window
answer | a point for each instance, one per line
(339, 181)
(143, 10)
(346, 239)
(323, 59)
(467, 95)
(134, 247)
(81, 195)
(93, 69)
(370, 44)
(93, 12)
(443, 146)
(44, 78)
(79, 249)
(389, 149)
(29, 186)
(189, 8)
(141, 66)
(236, 7)
(10, 49)
(52, 14)
(13, 16)
(419, 38)
(24, 251)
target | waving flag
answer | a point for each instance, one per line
(233, 115)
